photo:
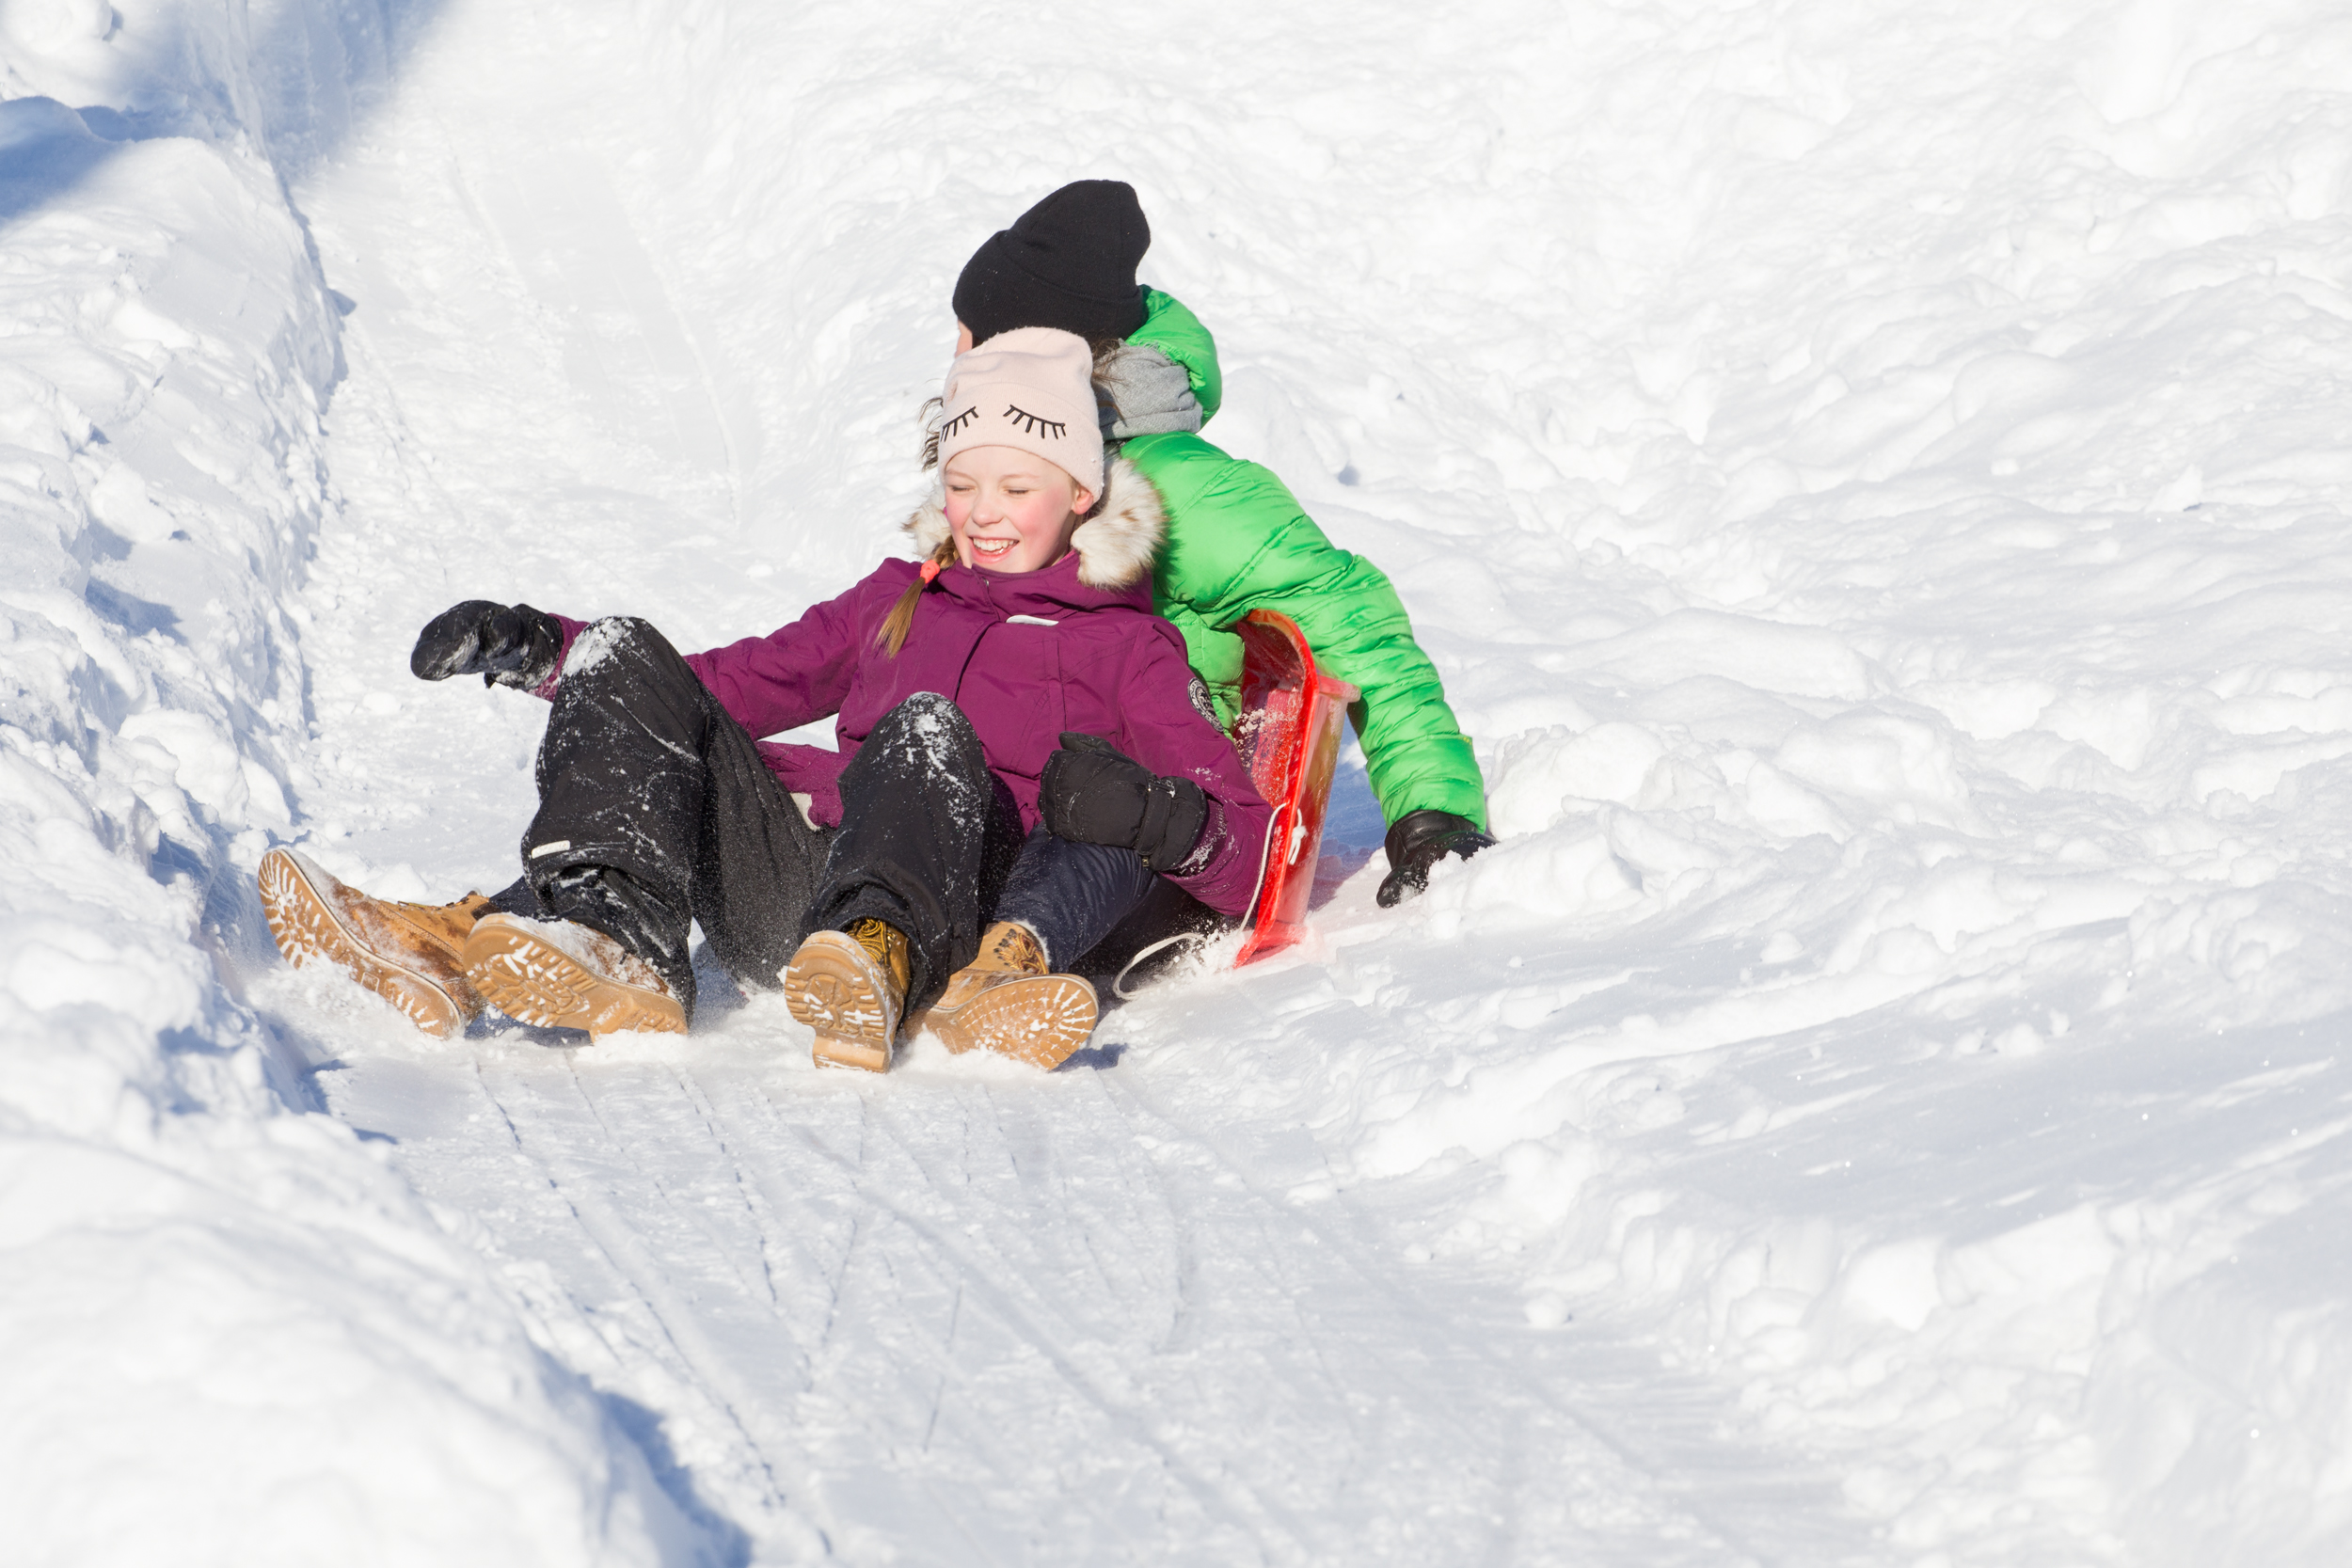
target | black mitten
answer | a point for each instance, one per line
(1094, 793)
(1419, 840)
(506, 644)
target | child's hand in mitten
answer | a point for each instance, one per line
(506, 644)
(1418, 842)
(1094, 793)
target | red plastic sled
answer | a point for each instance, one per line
(1289, 736)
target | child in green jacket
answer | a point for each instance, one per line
(1238, 539)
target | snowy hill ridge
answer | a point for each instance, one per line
(1872, 476)
(232, 1333)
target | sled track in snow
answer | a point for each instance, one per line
(1045, 1322)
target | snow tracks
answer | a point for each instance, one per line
(1012, 1319)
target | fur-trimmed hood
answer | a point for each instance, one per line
(1116, 546)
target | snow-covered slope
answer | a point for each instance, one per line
(1872, 476)
(231, 1331)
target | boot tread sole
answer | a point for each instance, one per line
(309, 930)
(533, 981)
(1037, 1018)
(834, 987)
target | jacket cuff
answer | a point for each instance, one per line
(545, 690)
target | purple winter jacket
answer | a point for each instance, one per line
(1026, 656)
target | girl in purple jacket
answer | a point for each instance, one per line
(1020, 762)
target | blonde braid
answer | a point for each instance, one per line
(892, 635)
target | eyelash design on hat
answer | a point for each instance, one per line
(960, 422)
(1032, 423)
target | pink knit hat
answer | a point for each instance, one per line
(1031, 387)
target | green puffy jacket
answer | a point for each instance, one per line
(1238, 541)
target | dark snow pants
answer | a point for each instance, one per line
(641, 772)
(1070, 894)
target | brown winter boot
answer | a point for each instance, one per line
(1006, 947)
(850, 987)
(407, 953)
(561, 974)
(1007, 1001)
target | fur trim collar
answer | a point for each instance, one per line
(1116, 546)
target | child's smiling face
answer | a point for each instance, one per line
(1010, 510)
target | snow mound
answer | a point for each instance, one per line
(233, 1334)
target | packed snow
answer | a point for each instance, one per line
(1872, 476)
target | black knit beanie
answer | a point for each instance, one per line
(1068, 262)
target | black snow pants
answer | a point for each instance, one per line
(646, 781)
